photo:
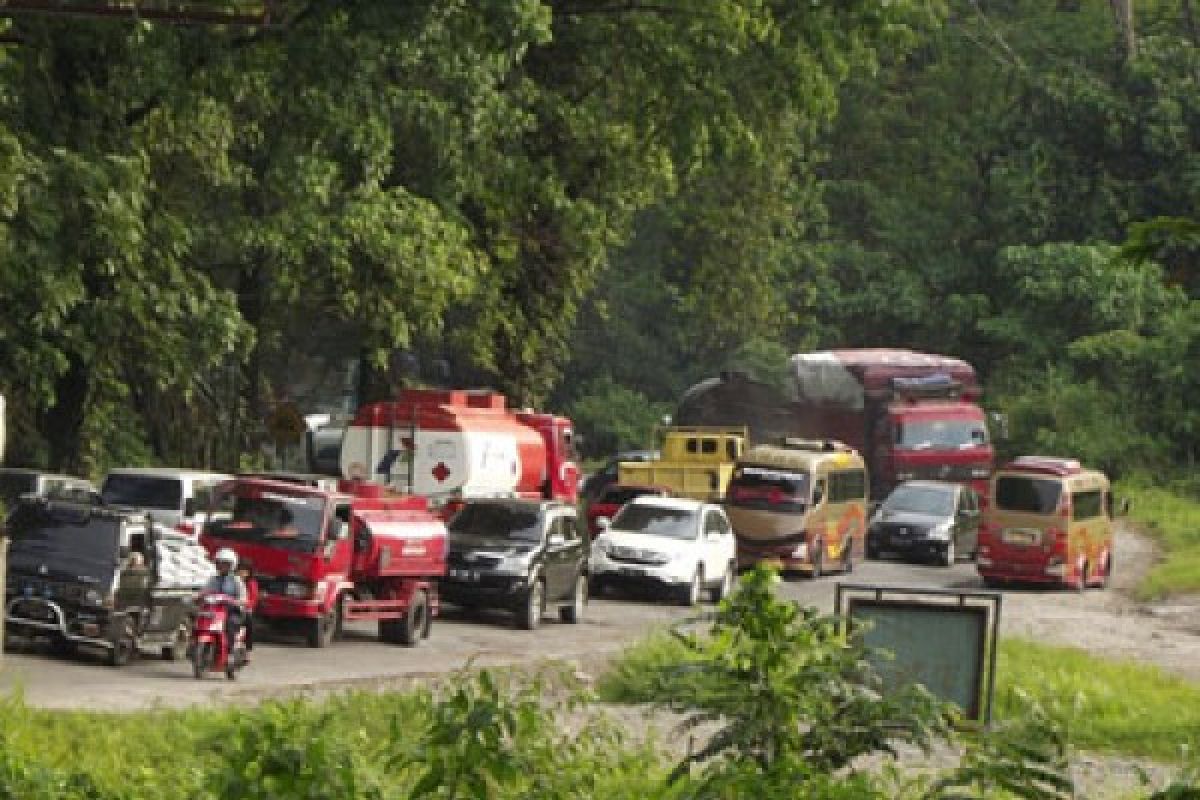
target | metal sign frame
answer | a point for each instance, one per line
(927, 599)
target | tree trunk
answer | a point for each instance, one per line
(1123, 15)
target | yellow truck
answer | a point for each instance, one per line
(696, 462)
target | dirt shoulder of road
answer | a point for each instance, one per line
(1112, 623)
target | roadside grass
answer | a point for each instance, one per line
(1106, 705)
(1171, 515)
(474, 731)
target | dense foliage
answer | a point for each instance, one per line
(592, 204)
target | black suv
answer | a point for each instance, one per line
(520, 555)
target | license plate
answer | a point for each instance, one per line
(632, 571)
(1020, 536)
(469, 575)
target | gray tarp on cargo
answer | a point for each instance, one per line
(822, 379)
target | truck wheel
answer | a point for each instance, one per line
(529, 614)
(573, 612)
(412, 626)
(123, 649)
(322, 630)
(872, 550)
(62, 647)
(848, 557)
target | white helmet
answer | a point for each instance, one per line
(227, 556)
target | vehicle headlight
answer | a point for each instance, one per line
(298, 589)
(940, 532)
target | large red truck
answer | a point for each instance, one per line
(911, 415)
(453, 445)
(324, 557)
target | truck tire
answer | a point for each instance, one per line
(572, 613)
(848, 557)
(413, 625)
(533, 605)
(322, 630)
(123, 649)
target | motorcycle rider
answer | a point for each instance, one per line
(227, 582)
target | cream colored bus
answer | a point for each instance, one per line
(801, 504)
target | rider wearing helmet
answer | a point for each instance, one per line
(227, 582)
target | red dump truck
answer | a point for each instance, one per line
(324, 557)
(454, 445)
(911, 415)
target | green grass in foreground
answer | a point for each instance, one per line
(1172, 517)
(1107, 705)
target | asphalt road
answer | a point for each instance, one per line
(287, 666)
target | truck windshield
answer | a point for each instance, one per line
(940, 434)
(44, 535)
(1019, 493)
(652, 520)
(769, 489)
(270, 519)
(920, 500)
(143, 491)
(496, 520)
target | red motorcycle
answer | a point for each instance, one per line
(211, 650)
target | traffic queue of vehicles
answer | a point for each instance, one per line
(450, 496)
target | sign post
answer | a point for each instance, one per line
(3, 592)
(944, 639)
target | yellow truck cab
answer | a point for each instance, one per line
(696, 462)
(801, 504)
(1050, 521)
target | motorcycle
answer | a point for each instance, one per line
(210, 646)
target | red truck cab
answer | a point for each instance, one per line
(325, 557)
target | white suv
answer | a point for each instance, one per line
(685, 545)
